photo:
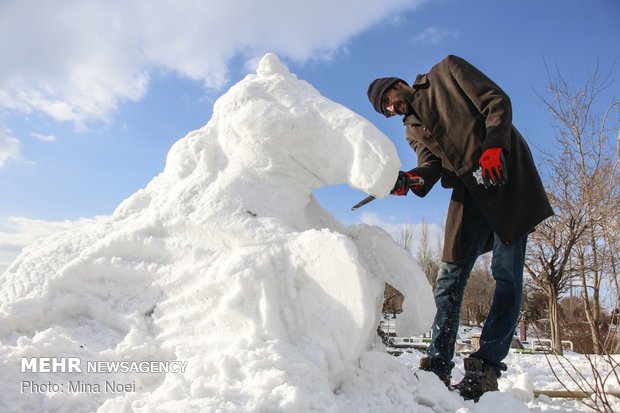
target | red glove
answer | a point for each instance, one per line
(405, 181)
(493, 167)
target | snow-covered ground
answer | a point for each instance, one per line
(526, 373)
(223, 286)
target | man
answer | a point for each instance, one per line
(460, 125)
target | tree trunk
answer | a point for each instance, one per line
(597, 279)
(587, 307)
(554, 320)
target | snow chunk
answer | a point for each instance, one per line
(521, 387)
(271, 65)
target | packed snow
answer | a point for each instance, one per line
(225, 287)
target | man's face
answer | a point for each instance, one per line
(394, 100)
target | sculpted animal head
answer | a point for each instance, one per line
(277, 126)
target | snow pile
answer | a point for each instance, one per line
(227, 263)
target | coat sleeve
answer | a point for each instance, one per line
(429, 167)
(490, 100)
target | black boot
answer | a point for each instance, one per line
(480, 377)
(427, 364)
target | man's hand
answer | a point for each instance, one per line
(493, 167)
(405, 181)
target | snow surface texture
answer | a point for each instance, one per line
(225, 260)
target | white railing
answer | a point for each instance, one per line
(544, 344)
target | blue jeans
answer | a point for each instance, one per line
(507, 270)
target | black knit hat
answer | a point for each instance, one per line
(376, 90)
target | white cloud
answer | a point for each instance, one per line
(44, 138)
(395, 229)
(76, 60)
(9, 146)
(433, 35)
(19, 232)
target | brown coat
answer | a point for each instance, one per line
(460, 112)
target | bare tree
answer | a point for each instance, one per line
(584, 189)
(392, 300)
(534, 303)
(478, 294)
(428, 258)
(405, 238)
(581, 242)
(548, 261)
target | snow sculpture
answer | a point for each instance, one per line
(224, 261)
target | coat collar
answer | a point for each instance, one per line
(420, 81)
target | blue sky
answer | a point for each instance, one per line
(93, 94)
